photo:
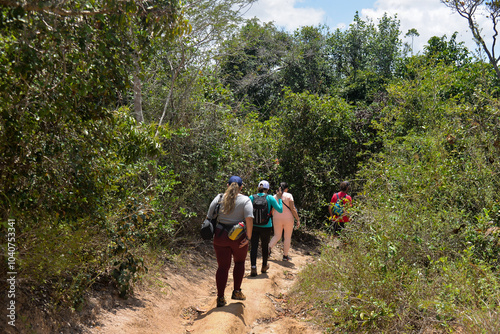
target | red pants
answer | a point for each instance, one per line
(226, 248)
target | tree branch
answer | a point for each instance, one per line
(171, 92)
(35, 7)
(467, 9)
(53, 8)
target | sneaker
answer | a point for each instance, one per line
(253, 271)
(221, 301)
(287, 258)
(238, 295)
(264, 268)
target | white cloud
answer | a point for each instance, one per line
(429, 17)
(284, 14)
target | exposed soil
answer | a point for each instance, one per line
(183, 299)
(180, 297)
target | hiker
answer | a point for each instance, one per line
(283, 222)
(345, 202)
(262, 227)
(235, 208)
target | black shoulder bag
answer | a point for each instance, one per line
(208, 226)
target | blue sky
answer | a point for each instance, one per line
(336, 12)
(429, 17)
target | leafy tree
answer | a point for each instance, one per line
(306, 66)
(62, 67)
(251, 62)
(148, 32)
(71, 158)
(314, 159)
(364, 56)
(385, 45)
(412, 33)
(186, 95)
(350, 48)
(450, 52)
(172, 75)
(138, 22)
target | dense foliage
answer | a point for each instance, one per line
(318, 132)
(74, 163)
(121, 120)
(424, 246)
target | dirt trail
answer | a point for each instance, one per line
(184, 301)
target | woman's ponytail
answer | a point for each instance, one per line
(228, 202)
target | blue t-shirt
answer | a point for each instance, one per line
(271, 203)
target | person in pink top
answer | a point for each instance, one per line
(339, 222)
(283, 222)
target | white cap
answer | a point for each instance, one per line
(264, 184)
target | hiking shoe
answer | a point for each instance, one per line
(253, 271)
(264, 268)
(221, 301)
(287, 258)
(238, 295)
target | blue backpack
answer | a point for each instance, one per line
(338, 208)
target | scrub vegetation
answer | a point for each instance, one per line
(120, 121)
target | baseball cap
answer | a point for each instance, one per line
(236, 179)
(264, 184)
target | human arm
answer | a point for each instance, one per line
(248, 214)
(277, 204)
(294, 212)
(249, 227)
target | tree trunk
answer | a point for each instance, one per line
(476, 32)
(138, 96)
(467, 9)
(139, 117)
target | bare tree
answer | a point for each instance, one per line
(468, 9)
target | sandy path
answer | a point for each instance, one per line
(184, 301)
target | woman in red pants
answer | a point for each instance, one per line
(235, 208)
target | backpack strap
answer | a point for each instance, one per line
(269, 208)
(215, 213)
(217, 207)
(283, 202)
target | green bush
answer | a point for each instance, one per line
(317, 149)
(422, 249)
